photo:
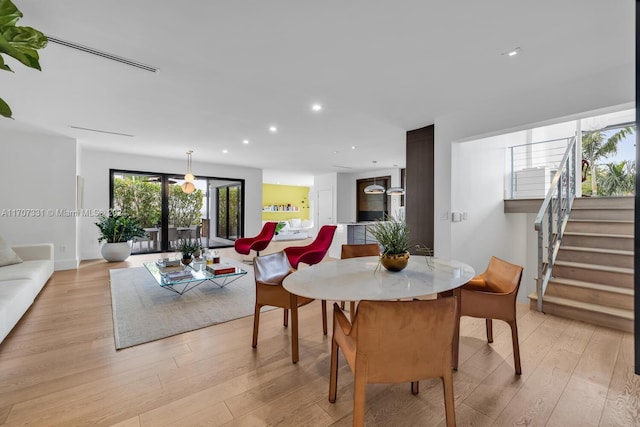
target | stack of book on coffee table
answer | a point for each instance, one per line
(175, 276)
(220, 269)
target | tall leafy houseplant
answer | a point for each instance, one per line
(117, 229)
(20, 43)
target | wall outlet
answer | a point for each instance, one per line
(63, 248)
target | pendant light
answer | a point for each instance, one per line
(395, 191)
(188, 186)
(374, 188)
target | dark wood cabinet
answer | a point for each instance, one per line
(419, 197)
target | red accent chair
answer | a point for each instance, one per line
(244, 245)
(315, 251)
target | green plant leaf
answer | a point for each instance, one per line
(25, 36)
(21, 43)
(4, 66)
(9, 13)
(392, 233)
(7, 48)
(4, 109)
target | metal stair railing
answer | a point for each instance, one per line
(553, 216)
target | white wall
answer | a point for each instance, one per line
(346, 198)
(327, 181)
(94, 168)
(478, 192)
(38, 173)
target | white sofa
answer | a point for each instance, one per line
(294, 229)
(21, 283)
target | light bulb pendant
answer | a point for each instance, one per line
(188, 186)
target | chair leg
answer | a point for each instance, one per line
(489, 330)
(324, 317)
(256, 323)
(449, 402)
(295, 356)
(333, 375)
(415, 387)
(342, 305)
(516, 346)
(285, 322)
(359, 397)
(352, 310)
(456, 332)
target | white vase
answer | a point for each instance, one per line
(114, 252)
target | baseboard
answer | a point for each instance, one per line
(66, 264)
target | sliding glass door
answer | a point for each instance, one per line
(170, 215)
(228, 214)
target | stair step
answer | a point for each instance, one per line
(614, 276)
(605, 241)
(607, 203)
(596, 267)
(595, 293)
(600, 226)
(594, 286)
(591, 255)
(610, 317)
(599, 250)
(603, 214)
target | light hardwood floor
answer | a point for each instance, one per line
(59, 367)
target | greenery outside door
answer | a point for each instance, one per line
(229, 210)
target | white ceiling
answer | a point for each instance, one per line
(230, 69)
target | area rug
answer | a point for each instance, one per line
(143, 311)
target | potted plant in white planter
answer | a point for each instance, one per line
(117, 229)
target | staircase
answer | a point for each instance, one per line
(592, 279)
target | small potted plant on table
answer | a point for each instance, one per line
(393, 235)
(188, 248)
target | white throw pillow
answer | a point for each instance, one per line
(295, 222)
(7, 255)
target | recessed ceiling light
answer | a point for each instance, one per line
(512, 52)
(316, 107)
(273, 129)
(245, 141)
(335, 152)
(225, 151)
(353, 147)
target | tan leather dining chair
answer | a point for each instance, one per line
(395, 342)
(492, 295)
(356, 251)
(270, 270)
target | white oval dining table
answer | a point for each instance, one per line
(361, 278)
(357, 279)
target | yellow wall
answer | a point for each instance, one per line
(295, 196)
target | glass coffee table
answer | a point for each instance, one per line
(182, 278)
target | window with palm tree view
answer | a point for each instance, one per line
(610, 169)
